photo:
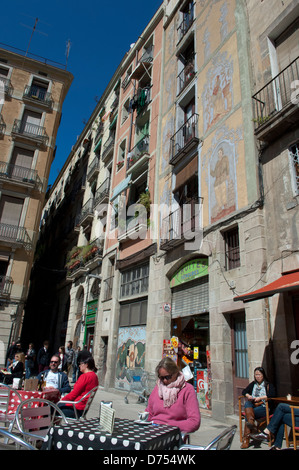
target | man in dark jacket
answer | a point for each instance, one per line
(54, 378)
(43, 357)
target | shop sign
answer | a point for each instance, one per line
(191, 270)
(92, 307)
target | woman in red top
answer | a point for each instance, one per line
(86, 382)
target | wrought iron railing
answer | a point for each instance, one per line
(102, 192)
(87, 210)
(276, 94)
(94, 165)
(186, 23)
(184, 136)
(6, 283)
(108, 146)
(138, 151)
(186, 75)
(147, 56)
(15, 234)
(30, 130)
(6, 84)
(180, 223)
(19, 173)
(39, 94)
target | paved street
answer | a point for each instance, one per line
(209, 428)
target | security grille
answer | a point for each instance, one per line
(191, 298)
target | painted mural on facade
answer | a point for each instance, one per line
(130, 353)
(217, 97)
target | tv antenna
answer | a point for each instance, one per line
(33, 31)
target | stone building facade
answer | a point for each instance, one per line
(189, 205)
(32, 95)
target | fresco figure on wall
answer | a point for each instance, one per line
(217, 96)
(222, 182)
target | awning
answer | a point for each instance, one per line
(120, 187)
(287, 282)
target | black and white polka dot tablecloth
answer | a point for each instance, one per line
(127, 435)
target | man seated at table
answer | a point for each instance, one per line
(54, 378)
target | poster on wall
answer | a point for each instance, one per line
(202, 388)
(130, 354)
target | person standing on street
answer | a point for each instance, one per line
(43, 357)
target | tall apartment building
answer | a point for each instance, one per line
(32, 93)
(189, 206)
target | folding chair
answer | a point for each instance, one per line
(222, 442)
(6, 393)
(17, 442)
(90, 395)
(35, 417)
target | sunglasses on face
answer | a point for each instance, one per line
(165, 377)
(53, 362)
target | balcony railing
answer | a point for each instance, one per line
(182, 224)
(31, 131)
(19, 174)
(141, 99)
(6, 84)
(102, 193)
(15, 235)
(276, 95)
(137, 152)
(186, 23)
(38, 94)
(108, 147)
(93, 168)
(86, 215)
(186, 75)
(2, 126)
(184, 139)
(6, 283)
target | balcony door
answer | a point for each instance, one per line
(10, 210)
(31, 122)
(21, 163)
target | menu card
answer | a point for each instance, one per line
(107, 418)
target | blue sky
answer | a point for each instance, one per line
(100, 33)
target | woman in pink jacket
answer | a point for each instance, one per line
(173, 401)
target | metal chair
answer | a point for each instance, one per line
(90, 395)
(35, 416)
(6, 393)
(222, 442)
(17, 442)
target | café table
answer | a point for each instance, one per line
(289, 401)
(14, 401)
(126, 435)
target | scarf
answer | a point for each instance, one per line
(169, 393)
